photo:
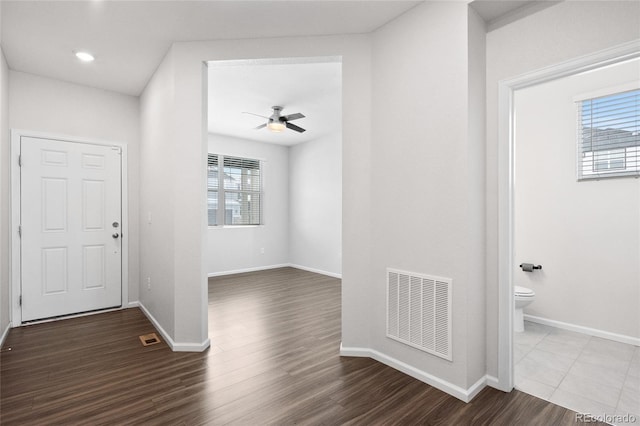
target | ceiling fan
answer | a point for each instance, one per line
(277, 122)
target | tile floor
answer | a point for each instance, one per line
(583, 373)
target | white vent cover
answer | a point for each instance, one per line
(419, 311)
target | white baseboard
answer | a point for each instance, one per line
(282, 265)
(134, 304)
(464, 395)
(585, 330)
(175, 346)
(5, 333)
(317, 271)
(241, 271)
(157, 325)
(493, 382)
(192, 347)
(476, 388)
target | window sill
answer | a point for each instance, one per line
(235, 226)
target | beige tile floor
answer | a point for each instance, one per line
(580, 372)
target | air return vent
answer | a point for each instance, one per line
(419, 311)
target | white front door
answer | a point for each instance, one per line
(70, 216)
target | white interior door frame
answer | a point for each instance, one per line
(506, 145)
(15, 270)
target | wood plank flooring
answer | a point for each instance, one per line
(274, 360)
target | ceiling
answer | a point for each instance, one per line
(490, 10)
(130, 38)
(311, 86)
(497, 13)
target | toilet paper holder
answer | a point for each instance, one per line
(529, 267)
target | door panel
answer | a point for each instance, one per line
(54, 204)
(70, 200)
(93, 207)
(54, 270)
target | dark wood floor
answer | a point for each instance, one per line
(274, 360)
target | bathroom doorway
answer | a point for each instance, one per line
(576, 214)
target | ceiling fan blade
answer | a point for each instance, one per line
(260, 126)
(257, 115)
(291, 117)
(294, 127)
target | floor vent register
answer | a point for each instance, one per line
(149, 339)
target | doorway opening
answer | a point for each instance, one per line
(506, 163)
(579, 219)
(506, 89)
(274, 177)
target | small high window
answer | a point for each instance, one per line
(609, 136)
(234, 193)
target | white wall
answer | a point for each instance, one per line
(562, 32)
(476, 314)
(315, 205)
(5, 213)
(421, 141)
(157, 198)
(426, 199)
(47, 105)
(585, 234)
(239, 248)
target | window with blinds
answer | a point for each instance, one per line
(609, 136)
(234, 197)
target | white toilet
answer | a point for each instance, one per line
(523, 297)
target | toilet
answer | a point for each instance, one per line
(523, 297)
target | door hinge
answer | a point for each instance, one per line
(19, 160)
(19, 230)
(20, 300)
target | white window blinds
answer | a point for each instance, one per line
(242, 187)
(238, 189)
(609, 136)
(212, 189)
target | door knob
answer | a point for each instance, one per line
(115, 235)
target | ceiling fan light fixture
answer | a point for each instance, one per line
(276, 126)
(278, 123)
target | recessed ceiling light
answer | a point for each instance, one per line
(84, 56)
